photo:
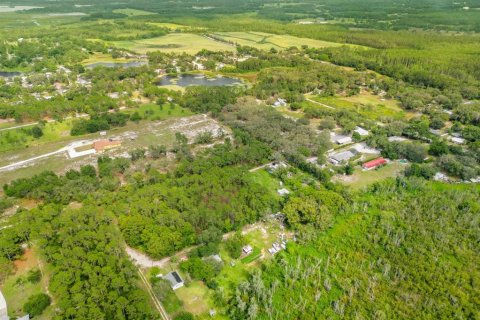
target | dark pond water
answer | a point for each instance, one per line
(7, 74)
(117, 64)
(185, 80)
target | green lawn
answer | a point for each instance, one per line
(360, 178)
(195, 297)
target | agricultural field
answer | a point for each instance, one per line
(174, 42)
(266, 41)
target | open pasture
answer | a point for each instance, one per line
(367, 104)
(174, 42)
(267, 41)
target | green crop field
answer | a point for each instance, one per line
(266, 41)
(174, 42)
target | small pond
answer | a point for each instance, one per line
(116, 64)
(9, 74)
(185, 80)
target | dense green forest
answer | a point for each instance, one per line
(404, 249)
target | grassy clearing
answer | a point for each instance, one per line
(195, 297)
(103, 57)
(17, 139)
(265, 179)
(17, 289)
(174, 42)
(367, 104)
(151, 111)
(133, 12)
(266, 41)
(256, 254)
(360, 178)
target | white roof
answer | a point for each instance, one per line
(3, 303)
(396, 139)
(361, 131)
(458, 140)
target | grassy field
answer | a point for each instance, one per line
(266, 41)
(174, 42)
(17, 289)
(195, 297)
(367, 104)
(103, 57)
(152, 111)
(17, 139)
(133, 12)
(360, 178)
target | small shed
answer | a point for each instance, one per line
(247, 249)
(174, 279)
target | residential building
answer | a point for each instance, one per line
(174, 279)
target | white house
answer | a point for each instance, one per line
(283, 192)
(174, 279)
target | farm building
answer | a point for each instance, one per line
(174, 279)
(3, 308)
(102, 145)
(374, 163)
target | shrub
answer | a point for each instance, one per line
(36, 304)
